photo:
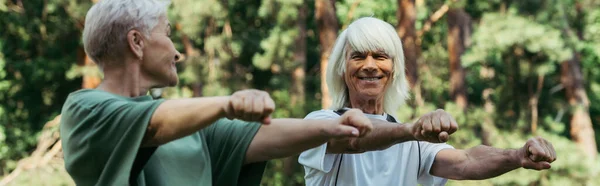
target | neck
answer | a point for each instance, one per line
(124, 79)
(367, 105)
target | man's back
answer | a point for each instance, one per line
(101, 134)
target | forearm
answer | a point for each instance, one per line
(286, 137)
(480, 162)
(383, 135)
(178, 118)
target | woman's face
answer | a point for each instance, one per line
(160, 55)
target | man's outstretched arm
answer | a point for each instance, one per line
(287, 137)
(483, 162)
(435, 127)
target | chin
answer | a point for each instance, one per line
(371, 91)
(173, 82)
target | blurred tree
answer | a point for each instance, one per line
(581, 129)
(38, 42)
(521, 57)
(459, 33)
(327, 22)
(407, 15)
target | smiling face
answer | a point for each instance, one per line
(367, 74)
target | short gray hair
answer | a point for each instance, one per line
(363, 35)
(108, 22)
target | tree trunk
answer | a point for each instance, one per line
(297, 96)
(534, 100)
(327, 24)
(581, 124)
(488, 128)
(407, 14)
(459, 32)
(581, 129)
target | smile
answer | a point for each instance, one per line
(370, 78)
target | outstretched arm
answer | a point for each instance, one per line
(433, 127)
(177, 118)
(483, 162)
(286, 137)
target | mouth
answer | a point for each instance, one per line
(370, 78)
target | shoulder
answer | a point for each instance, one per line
(93, 106)
(88, 98)
(322, 114)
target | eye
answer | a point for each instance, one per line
(357, 56)
(381, 56)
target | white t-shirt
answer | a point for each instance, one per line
(396, 165)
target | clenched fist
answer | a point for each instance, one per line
(250, 105)
(353, 123)
(434, 127)
(537, 153)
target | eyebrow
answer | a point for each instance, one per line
(357, 53)
(381, 53)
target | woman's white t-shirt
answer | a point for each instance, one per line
(396, 165)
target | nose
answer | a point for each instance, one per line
(370, 64)
(178, 57)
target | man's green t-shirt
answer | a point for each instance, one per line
(102, 132)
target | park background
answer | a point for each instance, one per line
(507, 70)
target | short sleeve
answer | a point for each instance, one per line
(317, 158)
(228, 142)
(101, 136)
(428, 153)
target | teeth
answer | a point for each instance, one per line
(370, 79)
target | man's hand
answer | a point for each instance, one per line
(434, 127)
(250, 105)
(537, 154)
(353, 123)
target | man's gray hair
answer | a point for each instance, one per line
(364, 35)
(108, 22)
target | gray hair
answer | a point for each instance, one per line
(363, 35)
(108, 22)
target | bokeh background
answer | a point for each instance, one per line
(507, 70)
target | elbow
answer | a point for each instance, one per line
(351, 146)
(153, 136)
(343, 146)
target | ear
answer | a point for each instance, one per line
(135, 41)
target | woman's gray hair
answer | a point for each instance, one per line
(364, 35)
(108, 22)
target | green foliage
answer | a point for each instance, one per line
(36, 50)
(250, 44)
(497, 34)
(382, 9)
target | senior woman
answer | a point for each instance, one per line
(118, 135)
(366, 72)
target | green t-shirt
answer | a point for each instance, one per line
(101, 135)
